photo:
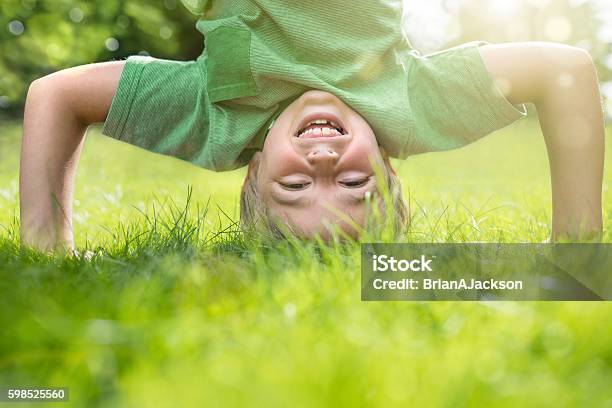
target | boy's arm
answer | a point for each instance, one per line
(59, 107)
(562, 83)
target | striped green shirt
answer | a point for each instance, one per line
(260, 55)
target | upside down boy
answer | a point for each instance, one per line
(313, 97)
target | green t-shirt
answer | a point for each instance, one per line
(260, 55)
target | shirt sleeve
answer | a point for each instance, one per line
(162, 106)
(454, 100)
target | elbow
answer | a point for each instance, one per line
(567, 72)
(42, 92)
(52, 94)
(575, 70)
(56, 88)
(35, 93)
(582, 57)
(582, 63)
(580, 79)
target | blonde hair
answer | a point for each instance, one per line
(256, 218)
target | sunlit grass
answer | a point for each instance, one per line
(173, 307)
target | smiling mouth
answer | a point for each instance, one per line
(320, 128)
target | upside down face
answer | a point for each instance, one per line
(317, 166)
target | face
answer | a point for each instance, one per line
(317, 166)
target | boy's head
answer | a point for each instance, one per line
(315, 170)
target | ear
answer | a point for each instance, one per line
(254, 165)
(252, 169)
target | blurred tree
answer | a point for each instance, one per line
(38, 37)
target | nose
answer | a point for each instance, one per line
(322, 156)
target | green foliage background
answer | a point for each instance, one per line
(64, 33)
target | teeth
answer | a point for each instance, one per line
(322, 122)
(331, 129)
(326, 131)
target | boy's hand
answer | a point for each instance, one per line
(562, 82)
(59, 107)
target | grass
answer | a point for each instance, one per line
(176, 309)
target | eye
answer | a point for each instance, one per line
(355, 183)
(294, 186)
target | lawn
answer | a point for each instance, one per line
(176, 309)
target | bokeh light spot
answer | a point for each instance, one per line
(76, 15)
(607, 61)
(165, 32)
(123, 21)
(429, 25)
(566, 80)
(111, 44)
(558, 28)
(4, 102)
(16, 27)
(289, 310)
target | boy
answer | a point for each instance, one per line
(313, 96)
